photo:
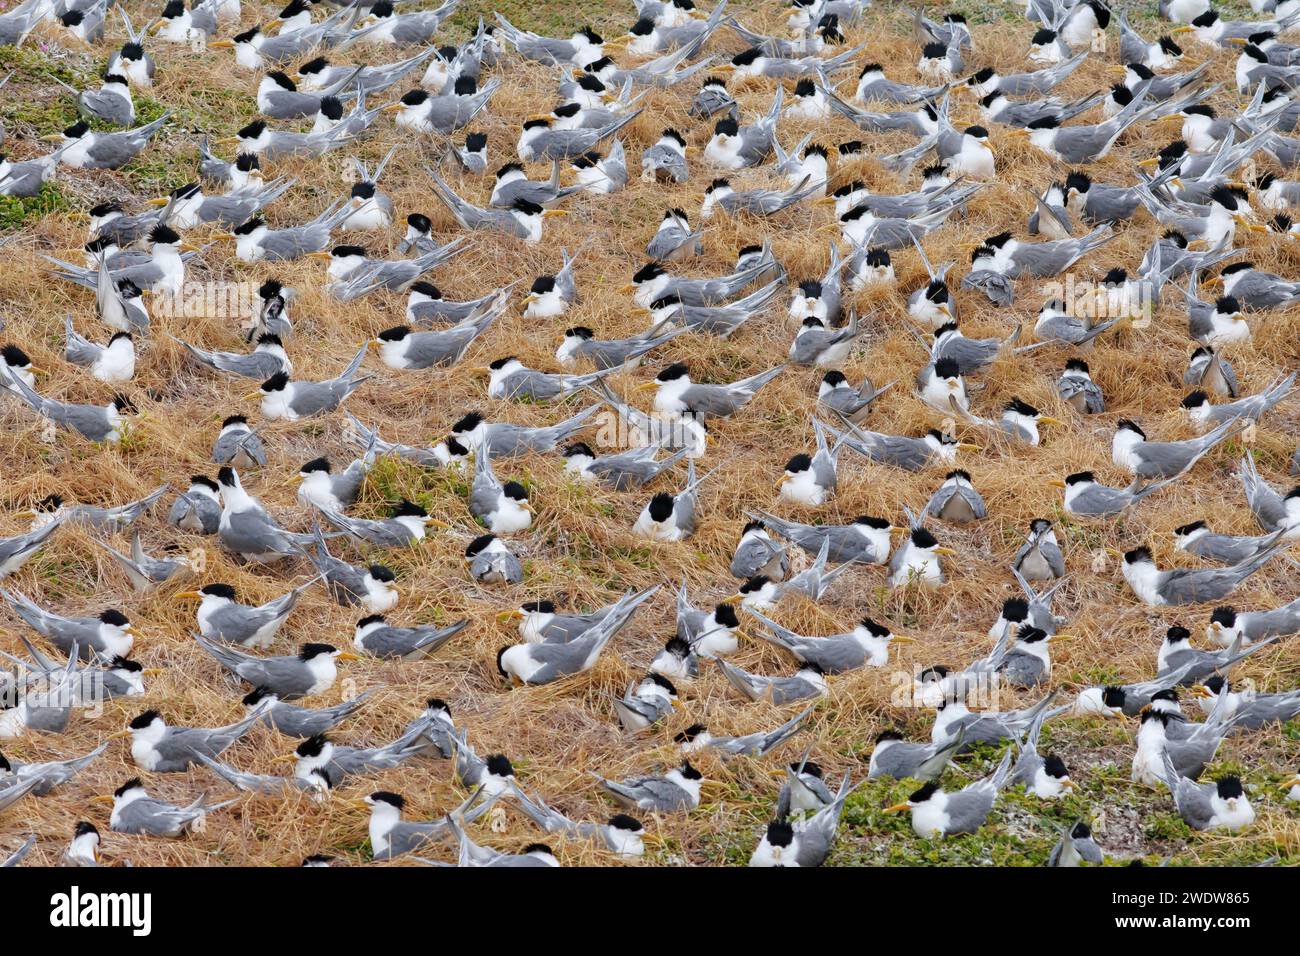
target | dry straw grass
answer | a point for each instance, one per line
(580, 551)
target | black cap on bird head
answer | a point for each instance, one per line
(1054, 766)
(309, 651)
(478, 544)
(947, 368)
(1128, 425)
(114, 618)
(408, 509)
(798, 463)
(680, 648)
(1225, 615)
(726, 127)
(660, 507)
(924, 794)
(132, 784)
(923, 539)
(1018, 407)
(1229, 788)
(143, 720)
(313, 746)
(276, 383)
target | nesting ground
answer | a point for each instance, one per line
(580, 551)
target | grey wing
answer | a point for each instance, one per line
(439, 348)
(661, 793)
(77, 349)
(347, 485)
(684, 512)
(713, 401)
(17, 856)
(559, 660)
(1023, 670)
(1265, 503)
(312, 398)
(228, 446)
(484, 496)
(900, 450)
(786, 689)
(285, 675)
(1188, 586)
(256, 529)
(1193, 802)
(969, 808)
(1070, 388)
(156, 817)
(899, 760)
(1052, 555)
(250, 782)
(1100, 500)
(237, 624)
(752, 686)
(834, 655)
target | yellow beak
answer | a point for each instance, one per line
(1056, 483)
(320, 255)
(898, 808)
(220, 44)
(160, 201)
(1048, 420)
(189, 594)
(628, 289)
(392, 107)
(647, 386)
(946, 552)
(902, 639)
(101, 798)
(256, 393)
(511, 615)
(348, 656)
(782, 480)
